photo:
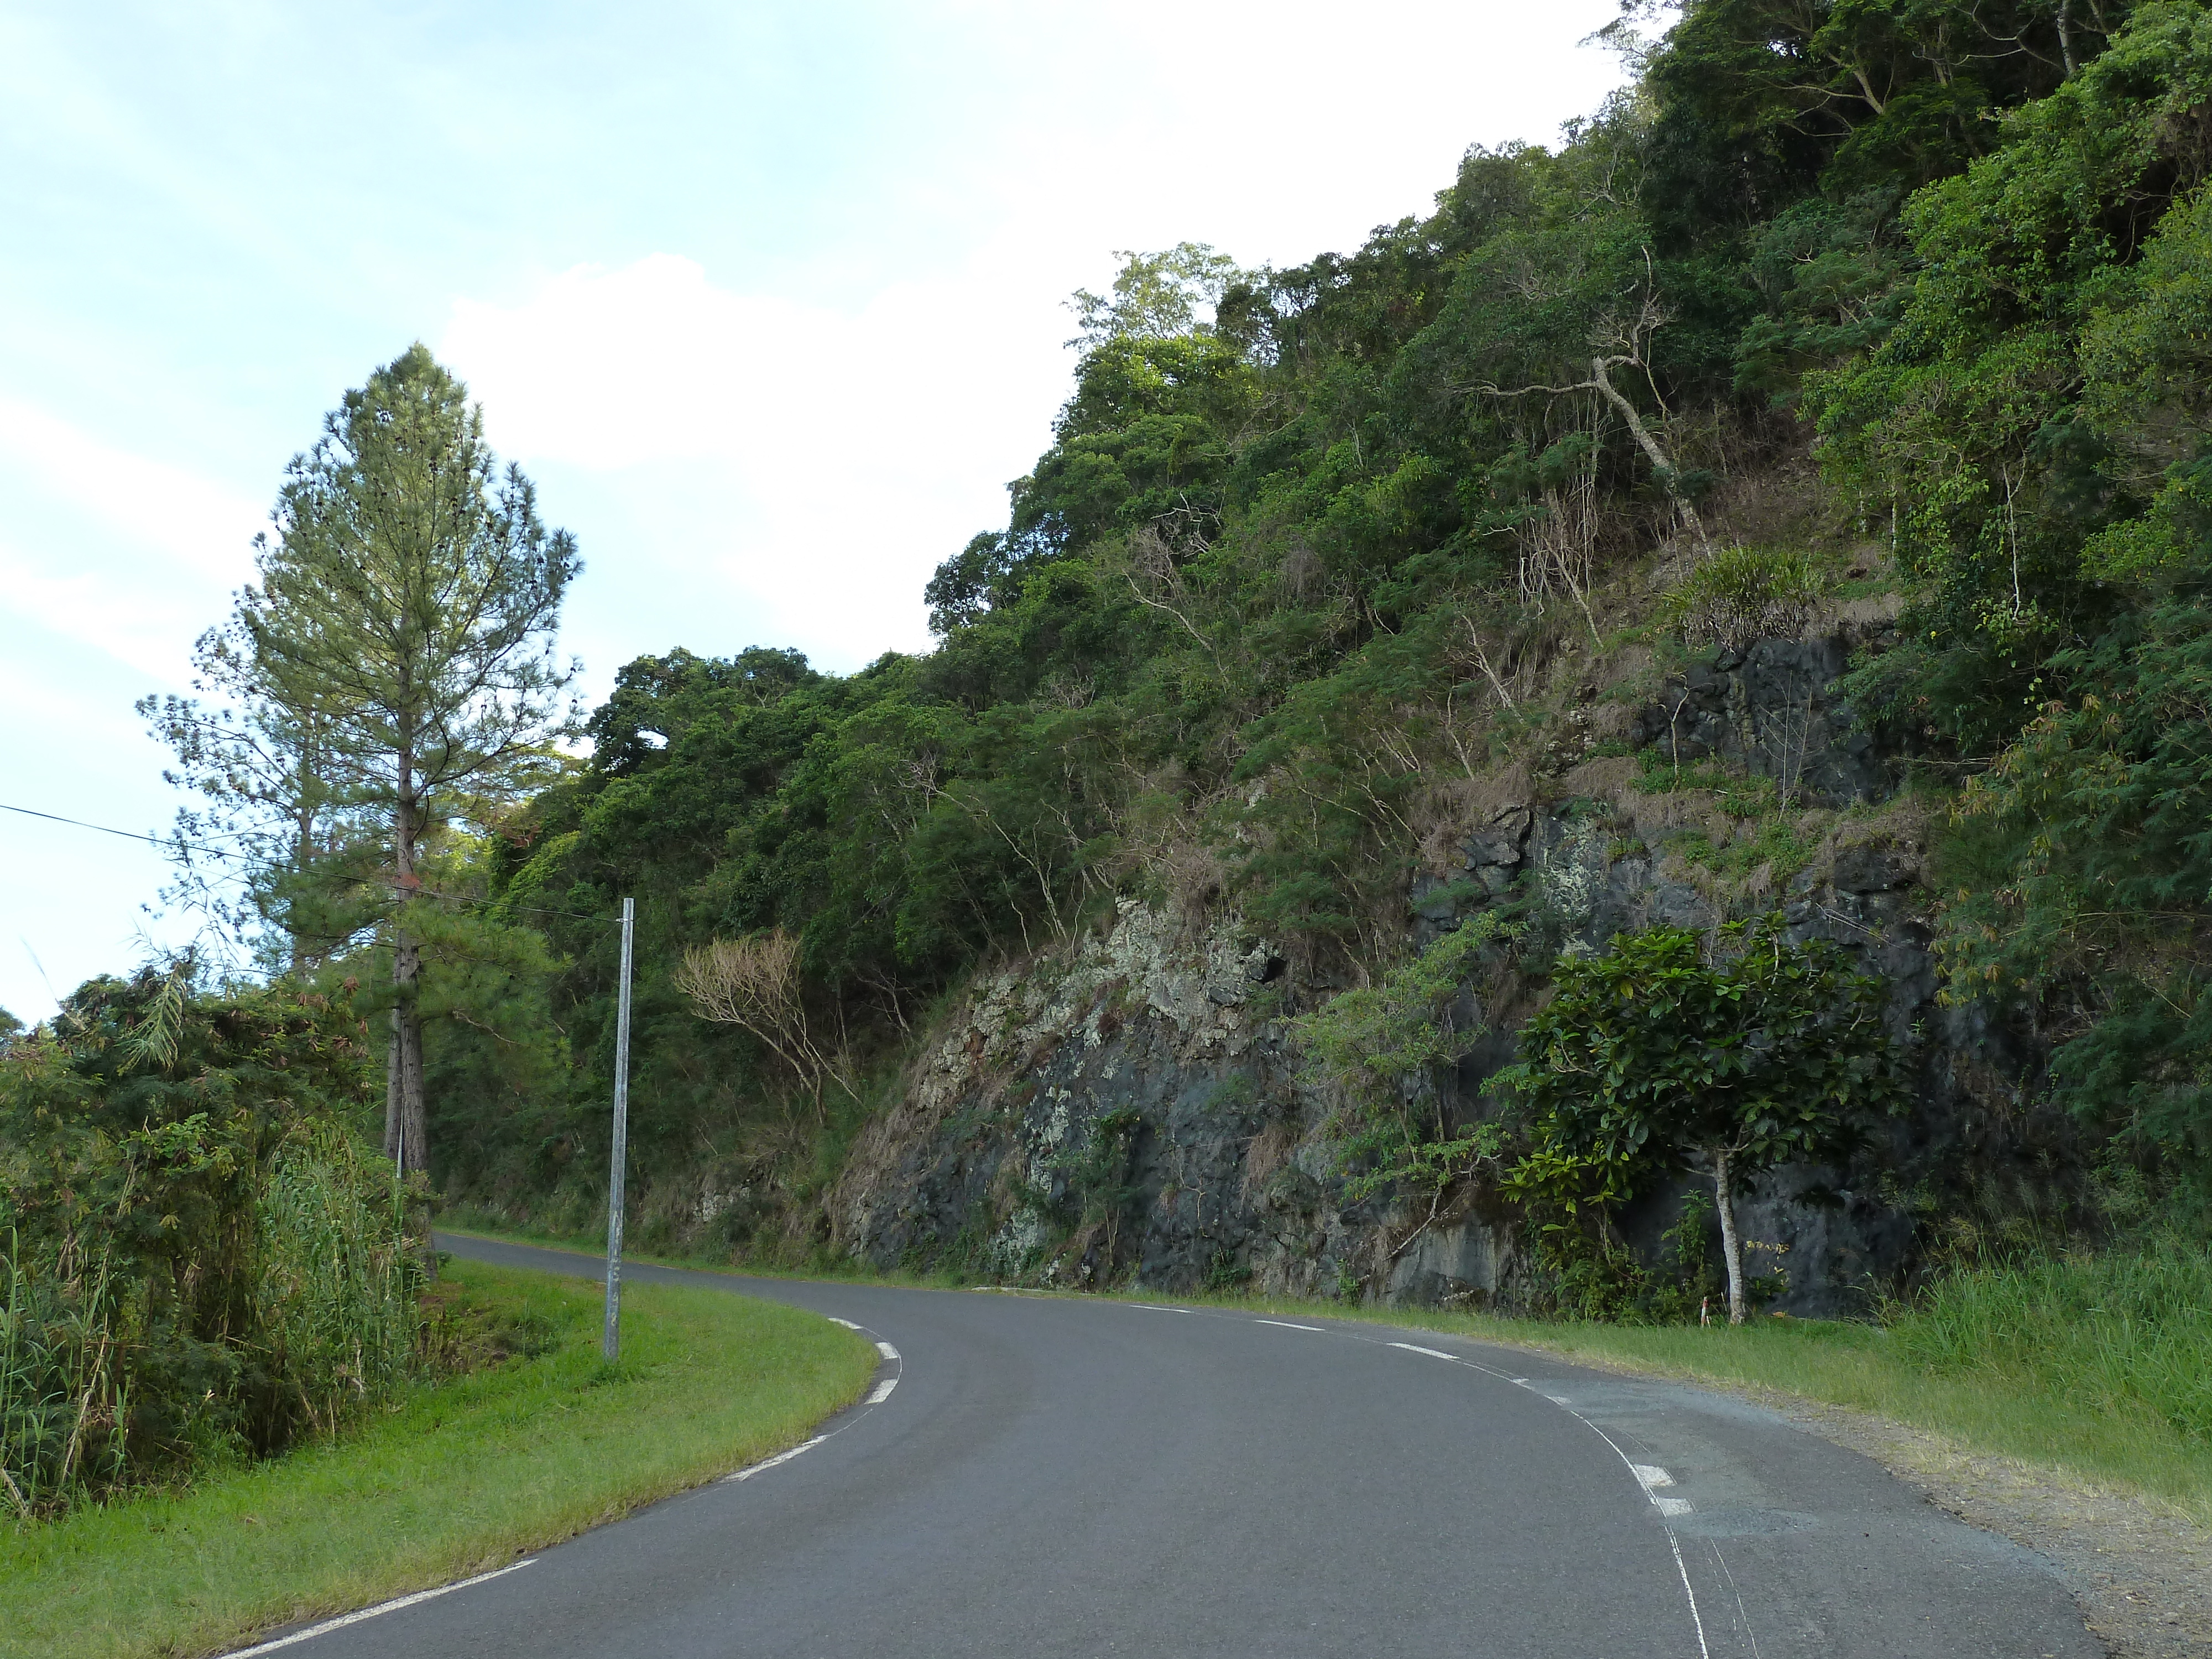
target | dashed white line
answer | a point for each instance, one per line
(883, 1391)
(330, 1625)
(886, 1350)
(1433, 1353)
(1285, 1325)
(847, 1323)
(1155, 1306)
(1652, 1476)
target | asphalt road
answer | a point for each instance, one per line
(1056, 1476)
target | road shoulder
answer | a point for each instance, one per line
(2140, 1574)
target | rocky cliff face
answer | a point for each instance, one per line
(1133, 1106)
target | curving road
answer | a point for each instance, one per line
(1056, 1476)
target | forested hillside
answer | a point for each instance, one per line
(1878, 325)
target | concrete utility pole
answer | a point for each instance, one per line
(611, 1342)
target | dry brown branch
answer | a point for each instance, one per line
(753, 984)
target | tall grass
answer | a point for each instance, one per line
(2128, 1334)
(337, 1280)
(103, 1382)
(63, 1403)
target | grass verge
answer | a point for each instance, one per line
(824, 1268)
(455, 1478)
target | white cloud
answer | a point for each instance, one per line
(159, 509)
(830, 458)
(115, 550)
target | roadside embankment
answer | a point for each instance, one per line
(541, 1440)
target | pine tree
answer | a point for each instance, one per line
(412, 592)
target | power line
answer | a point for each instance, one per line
(273, 863)
(127, 834)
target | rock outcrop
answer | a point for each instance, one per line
(1131, 1105)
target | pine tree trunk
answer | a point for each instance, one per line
(414, 1134)
(1731, 1246)
(407, 1120)
(393, 1149)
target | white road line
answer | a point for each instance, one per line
(847, 1323)
(1651, 1475)
(883, 1391)
(768, 1463)
(1285, 1325)
(1696, 1619)
(330, 1625)
(1433, 1353)
(1742, 1612)
(1155, 1306)
(1668, 1508)
(886, 1350)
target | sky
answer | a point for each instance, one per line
(769, 301)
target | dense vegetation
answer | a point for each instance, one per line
(198, 1265)
(1311, 547)
(1837, 300)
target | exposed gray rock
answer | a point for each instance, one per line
(1500, 843)
(1133, 1105)
(1773, 711)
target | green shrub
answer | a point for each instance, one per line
(1740, 594)
(199, 1267)
(1378, 1051)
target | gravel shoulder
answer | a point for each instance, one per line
(2141, 1573)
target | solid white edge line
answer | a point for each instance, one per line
(1742, 1612)
(1668, 1508)
(1285, 1325)
(330, 1625)
(1433, 1353)
(1674, 1544)
(768, 1463)
(887, 1351)
(883, 1391)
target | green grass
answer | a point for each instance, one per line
(2100, 1366)
(453, 1479)
(474, 1223)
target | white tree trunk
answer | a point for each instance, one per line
(1661, 461)
(1731, 1245)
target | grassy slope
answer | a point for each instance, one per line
(2059, 1418)
(463, 1477)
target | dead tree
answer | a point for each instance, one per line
(754, 984)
